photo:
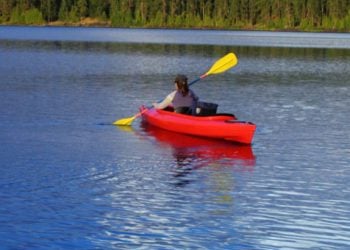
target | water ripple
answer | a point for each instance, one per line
(68, 181)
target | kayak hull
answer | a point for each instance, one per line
(218, 126)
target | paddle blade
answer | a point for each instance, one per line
(223, 64)
(124, 121)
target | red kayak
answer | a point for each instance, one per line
(218, 126)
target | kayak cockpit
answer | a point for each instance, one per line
(203, 109)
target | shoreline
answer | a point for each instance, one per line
(96, 23)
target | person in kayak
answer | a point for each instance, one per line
(183, 99)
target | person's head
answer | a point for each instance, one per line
(181, 84)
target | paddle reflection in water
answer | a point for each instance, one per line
(192, 152)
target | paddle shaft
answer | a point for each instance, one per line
(196, 80)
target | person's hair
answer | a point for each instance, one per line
(181, 82)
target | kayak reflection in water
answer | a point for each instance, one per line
(191, 153)
(183, 99)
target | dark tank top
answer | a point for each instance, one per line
(183, 101)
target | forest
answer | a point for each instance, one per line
(299, 15)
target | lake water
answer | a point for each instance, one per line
(71, 180)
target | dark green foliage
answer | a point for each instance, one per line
(217, 14)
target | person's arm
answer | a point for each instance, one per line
(166, 102)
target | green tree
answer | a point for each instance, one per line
(64, 12)
(261, 14)
(17, 16)
(82, 7)
(33, 16)
(5, 10)
(49, 10)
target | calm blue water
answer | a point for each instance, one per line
(70, 180)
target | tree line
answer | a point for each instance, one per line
(323, 15)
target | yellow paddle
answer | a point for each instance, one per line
(219, 66)
(126, 121)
